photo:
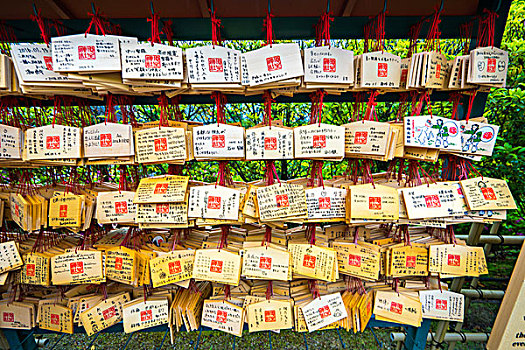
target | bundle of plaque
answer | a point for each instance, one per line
(422, 137)
(94, 65)
(303, 254)
(269, 287)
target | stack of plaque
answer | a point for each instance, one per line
(9, 78)
(273, 67)
(150, 68)
(328, 68)
(214, 68)
(429, 70)
(377, 70)
(34, 69)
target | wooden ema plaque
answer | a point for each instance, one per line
(140, 314)
(223, 316)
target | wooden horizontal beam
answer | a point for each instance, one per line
(196, 29)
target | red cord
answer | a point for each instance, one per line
(470, 104)
(44, 32)
(155, 34)
(97, 21)
(166, 30)
(163, 105)
(322, 30)
(269, 28)
(220, 103)
(215, 30)
(267, 96)
(434, 33)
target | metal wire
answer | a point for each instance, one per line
(340, 338)
(379, 343)
(198, 339)
(56, 343)
(305, 342)
(163, 339)
(93, 341)
(27, 337)
(127, 341)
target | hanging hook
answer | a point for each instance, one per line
(151, 7)
(93, 7)
(441, 6)
(384, 5)
(211, 6)
(498, 7)
(269, 6)
(35, 10)
(327, 6)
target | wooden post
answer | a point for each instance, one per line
(509, 329)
